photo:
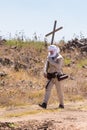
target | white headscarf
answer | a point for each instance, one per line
(55, 50)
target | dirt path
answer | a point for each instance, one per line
(73, 117)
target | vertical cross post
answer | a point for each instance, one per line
(54, 28)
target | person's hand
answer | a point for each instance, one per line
(45, 75)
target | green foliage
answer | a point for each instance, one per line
(67, 61)
(82, 62)
(14, 43)
(34, 44)
(11, 125)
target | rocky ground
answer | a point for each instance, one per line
(73, 117)
(20, 69)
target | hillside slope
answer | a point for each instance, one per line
(22, 88)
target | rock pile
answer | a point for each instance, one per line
(76, 43)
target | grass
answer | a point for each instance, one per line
(67, 61)
(12, 97)
(82, 62)
(22, 84)
(69, 97)
(19, 114)
(73, 90)
(37, 45)
(29, 110)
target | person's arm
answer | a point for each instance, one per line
(46, 68)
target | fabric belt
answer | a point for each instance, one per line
(57, 75)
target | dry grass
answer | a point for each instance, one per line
(27, 86)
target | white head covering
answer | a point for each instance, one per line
(55, 50)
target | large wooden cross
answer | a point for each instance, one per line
(53, 32)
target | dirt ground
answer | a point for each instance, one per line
(32, 117)
(72, 117)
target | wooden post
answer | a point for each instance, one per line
(53, 32)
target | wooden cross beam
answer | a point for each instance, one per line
(53, 32)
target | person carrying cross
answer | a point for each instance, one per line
(52, 71)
